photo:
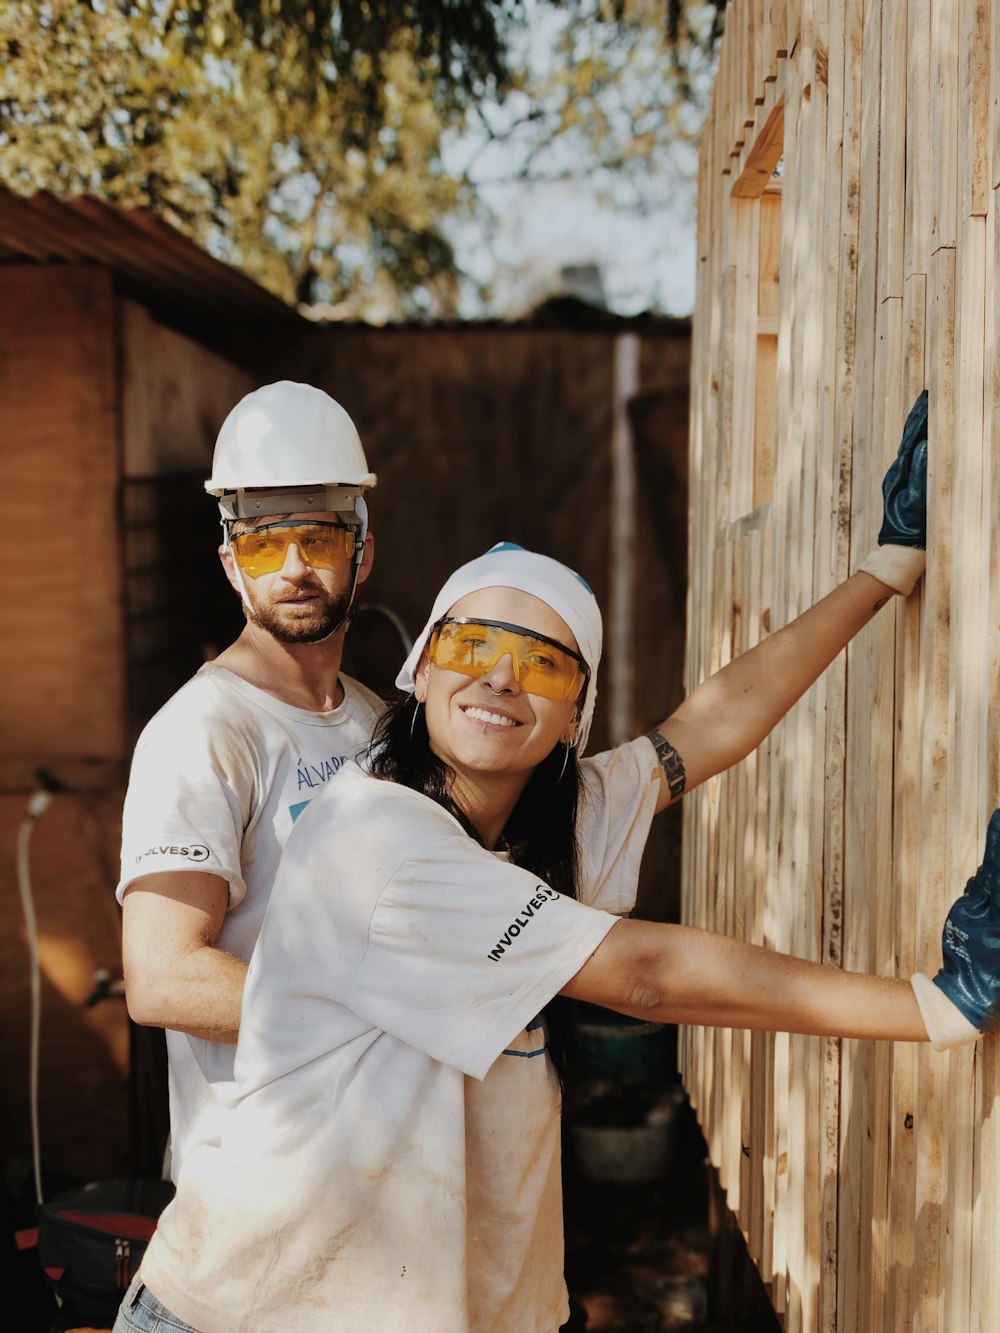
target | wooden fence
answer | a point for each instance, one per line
(848, 250)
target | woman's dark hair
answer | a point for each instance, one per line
(540, 834)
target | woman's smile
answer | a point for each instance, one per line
(490, 719)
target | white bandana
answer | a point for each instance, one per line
(508, 566)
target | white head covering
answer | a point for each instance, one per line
(508, 566)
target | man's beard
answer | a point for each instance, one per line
(310, 626)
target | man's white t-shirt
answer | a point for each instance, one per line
(219, 776)
(393, 1159)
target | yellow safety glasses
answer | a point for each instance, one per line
(320, 544)
(541, 665)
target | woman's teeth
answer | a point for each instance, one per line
(494, 719)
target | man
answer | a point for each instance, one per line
(223, 770)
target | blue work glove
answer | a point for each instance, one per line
(970, 976)
(904, 488)
(900, 556)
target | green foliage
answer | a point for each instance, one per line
(627, 78)
(301, 139)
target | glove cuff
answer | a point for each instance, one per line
(946, 1025)
(898, 567)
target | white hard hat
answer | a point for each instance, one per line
(289, 448)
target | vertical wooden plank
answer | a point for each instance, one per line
(855, 1203)
(757, 1101)
(935, 889)
(907, 1106)
(918, 234)
(838, 236)
(768, 309)
(743, 888)
(726, 1110)
(986, 1269)
(888, 411)
(782, 887)
(794, 8)
(753, 81)
(892, 163)
(807, 721)
(745, 233)
(726, 478)
(974, 121)
(967, 723)
(944, 104)
(779, 27)
(887, 415)
(727, 65)
(906, 871)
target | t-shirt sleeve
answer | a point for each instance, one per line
(620, 789)
(188, 799)
(464, 950)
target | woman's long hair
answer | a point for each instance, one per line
(540, 834)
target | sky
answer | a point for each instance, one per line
(646, 260)
(640, 235)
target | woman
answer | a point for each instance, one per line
(393, 1159)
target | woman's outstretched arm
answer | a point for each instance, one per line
(730, 714)
(676, 974)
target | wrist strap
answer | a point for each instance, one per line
(898, 567)
(946, 1025)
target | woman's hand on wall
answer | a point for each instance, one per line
(963, 999)
(901, 554)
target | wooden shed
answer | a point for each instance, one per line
(848, 256)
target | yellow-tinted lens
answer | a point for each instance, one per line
(263, 550)
(540, 667)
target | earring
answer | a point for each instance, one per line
(413, 719)
(566, 750)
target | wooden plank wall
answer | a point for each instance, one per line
(63, 669)
(866, 1178)
(92, 390)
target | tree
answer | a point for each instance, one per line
(602, 113)
(300, 139)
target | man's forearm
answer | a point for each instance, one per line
(200, 994)
(175, 975)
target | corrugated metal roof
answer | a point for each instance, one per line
(151, 260)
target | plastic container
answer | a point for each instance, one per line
(625, 1140)
(625, 1051)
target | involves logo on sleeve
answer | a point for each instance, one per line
(194, 851)
(545, 895)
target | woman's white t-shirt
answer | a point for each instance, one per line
(393, 1159)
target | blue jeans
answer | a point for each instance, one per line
(141, 1312)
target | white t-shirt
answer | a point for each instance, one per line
(393, 1159)
(219, 776)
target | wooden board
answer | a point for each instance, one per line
(887, 281)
